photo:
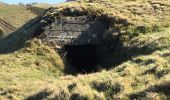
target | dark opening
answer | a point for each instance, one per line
(1, 34)
(82, 57)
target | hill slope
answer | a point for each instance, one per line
(20, 13)
(138, 69)
(5, 28)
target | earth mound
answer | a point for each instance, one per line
(137, 66)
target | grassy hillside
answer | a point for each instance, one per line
(138, 69)
(5, 28)
(18, 15)
(15, 14)
(26, 69)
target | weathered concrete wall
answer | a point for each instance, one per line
(79, 30)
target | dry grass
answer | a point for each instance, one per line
(18, 15)
(141, 60)
(15, 14)
(26, 69)
(142, 76)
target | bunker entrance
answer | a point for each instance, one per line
(80, 39)
(83, 58)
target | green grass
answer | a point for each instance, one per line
(28, 67)
(141, 76)
(139, 65)
(20, 13)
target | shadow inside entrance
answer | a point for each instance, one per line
(82, 58)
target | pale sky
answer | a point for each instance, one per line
(31, 1)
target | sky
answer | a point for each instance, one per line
(31, 1)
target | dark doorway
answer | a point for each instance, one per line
(1, 33)
(82, 57)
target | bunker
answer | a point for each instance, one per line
(79, 37)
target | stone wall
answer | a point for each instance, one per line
(77, 30)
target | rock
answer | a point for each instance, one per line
(75, 29)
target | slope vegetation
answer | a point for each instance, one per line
(15, 14)
(139, 66)
(5, 28)
(18, 15)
